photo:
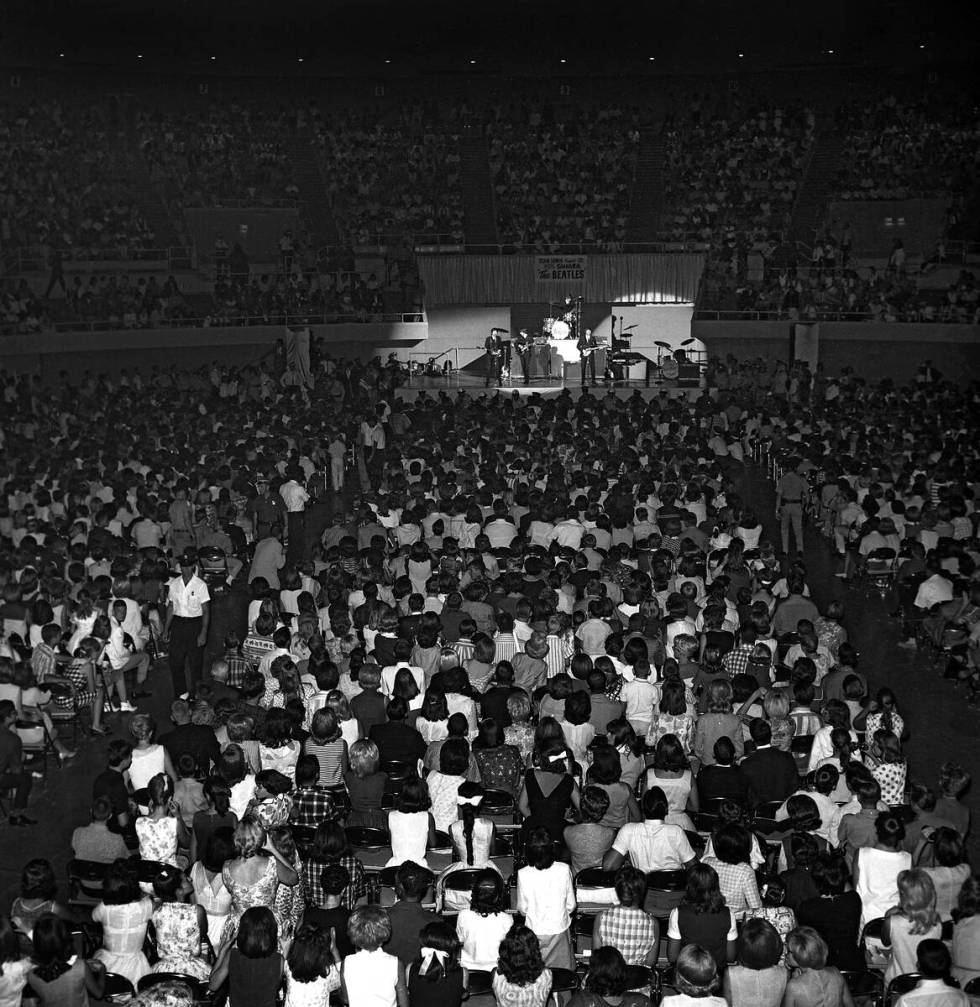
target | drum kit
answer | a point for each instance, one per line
(672, 363)
(564, 319)
(558, 328)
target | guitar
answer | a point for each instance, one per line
(587, 351)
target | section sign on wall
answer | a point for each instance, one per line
(560, 268)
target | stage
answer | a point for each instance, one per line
(473, 384)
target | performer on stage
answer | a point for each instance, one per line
(587, 344)
(542, 357)
(570, 317)
(522, 344)
(495, 357)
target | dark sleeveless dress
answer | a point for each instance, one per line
(710, 930)
(548, 812)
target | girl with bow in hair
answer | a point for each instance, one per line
(435, 978)
(472, 838)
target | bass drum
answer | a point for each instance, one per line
(559, 330)
(670, 369)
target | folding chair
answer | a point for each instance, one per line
(764, 817)
(118, 989)
(879, 570)
(867, 984)
(591, 880)
(85, 881)
(901, 985)
(198, 988)
(64, 708)
(801, 748)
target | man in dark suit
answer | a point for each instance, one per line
(196, 739)
(493, 703)
(724, 779)
(396, 741)
(771, 772)
(495, 357)
(587, 345)
(522, 344)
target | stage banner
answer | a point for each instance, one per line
(631, 278)
(560, 268)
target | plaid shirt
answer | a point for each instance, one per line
(312, 805)
(738, 885)
(630, 930)
(312, 869)
(736, 662)
(238, 667)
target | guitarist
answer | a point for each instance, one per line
(587, 345)
(494, 346)
(522, 344)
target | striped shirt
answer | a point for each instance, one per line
(330, 756)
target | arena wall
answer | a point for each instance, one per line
(48, 353)
(873, 349)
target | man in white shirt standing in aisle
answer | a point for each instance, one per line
(295, 497)
(188, 619)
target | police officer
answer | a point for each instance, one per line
(791, 491)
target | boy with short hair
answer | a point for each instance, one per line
(407, 916)
(327, 911)
(238, 664)
(311, 803)
(640, 695)
(111, 784)
(933, 960)
(368, 706)
(188, 791)
(858, 829)
(370, 974)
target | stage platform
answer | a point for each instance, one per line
(473, 384)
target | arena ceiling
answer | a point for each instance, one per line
(534, 36)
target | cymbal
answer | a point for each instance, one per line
(687, 342)
(628, 327)
(660, 342)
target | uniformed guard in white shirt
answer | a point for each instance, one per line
(188, 619)
(791, 492)
(295, 497)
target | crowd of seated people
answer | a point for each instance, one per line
(898, 149)
(267, 300)
(563, 180)
(389, 177)
(865, 293)
(103, 301)
(589, 630)
(227, 152)
(734, 171)
(62, 184)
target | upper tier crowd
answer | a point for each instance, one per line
(63, 182)
(901, 149)
(390, 175)
(734, 170)
(538, 636)
(562, 179)
(223, 154)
